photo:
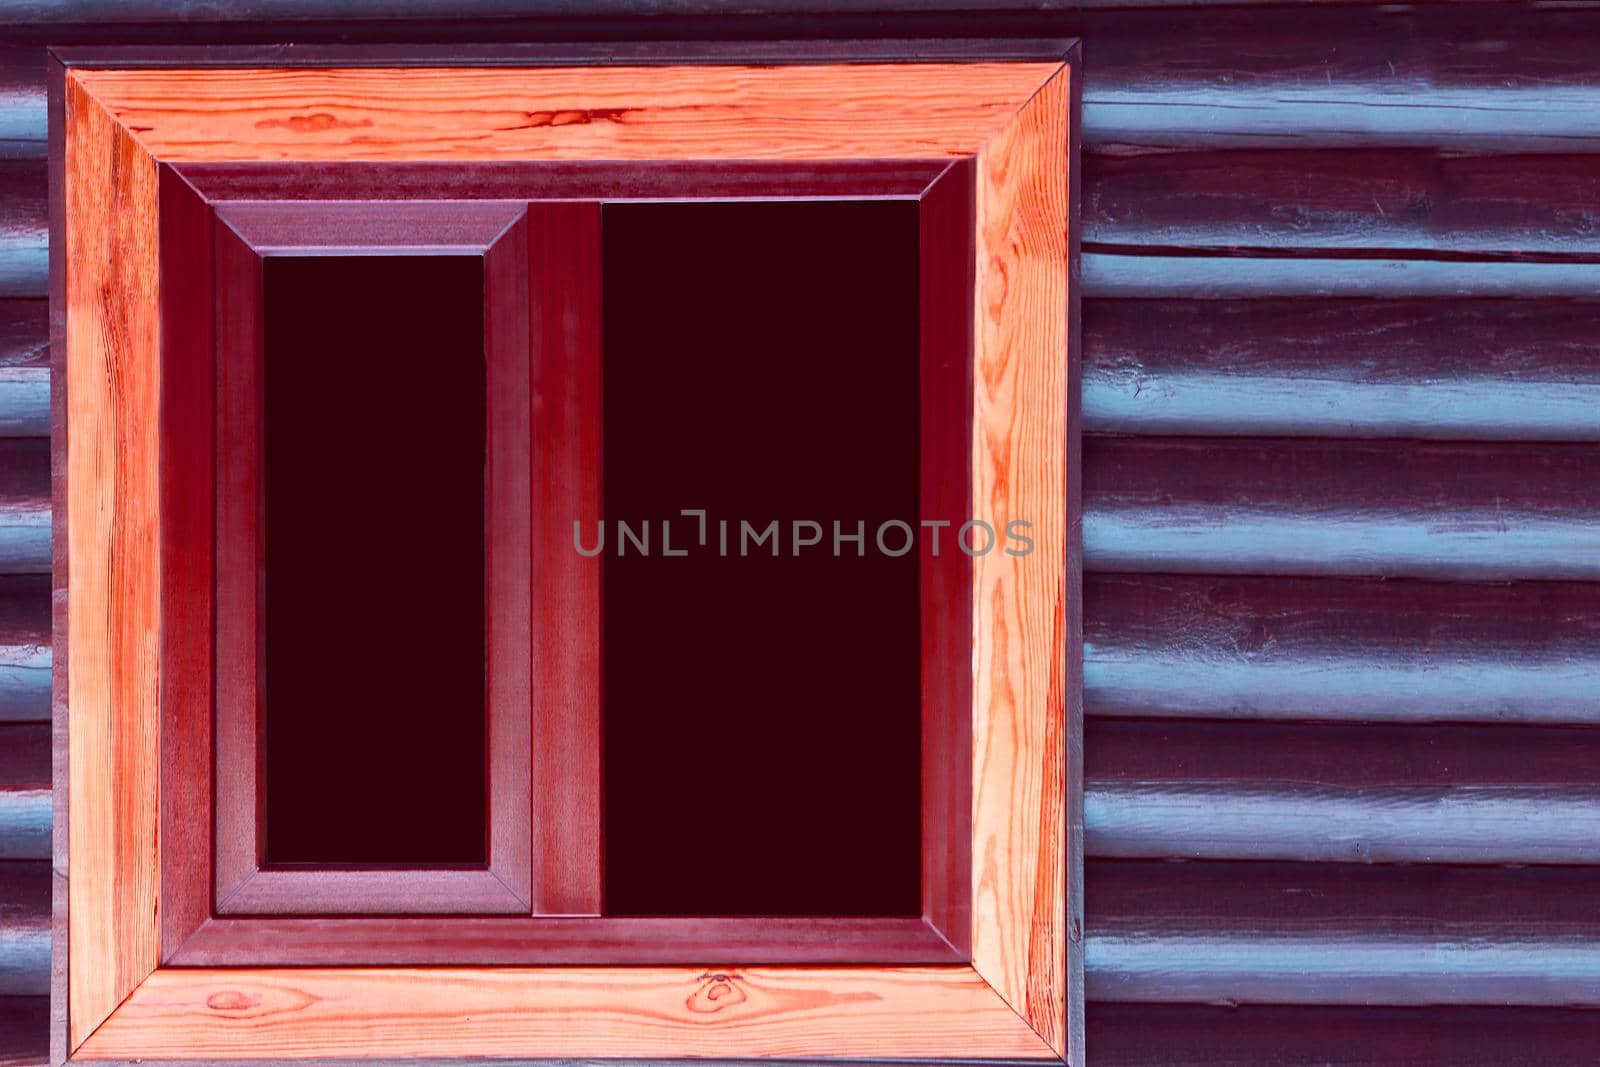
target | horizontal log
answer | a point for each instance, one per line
(1239, 933)
(23, 119)
(1345, 508)
(24, 1031)
(1334, 756)
(24, 227)
(24, 928)
(1387, 113)
(25, 505)
(1401, 202)
(1456, 370)
(24, 402)
(1424, 76)
(1165, 789)
(1191, 1035)
(24, 335)
(25, 651)
(1356, 651)
(25, 791)
(1210, 277)
(24, 368)
(1504, 905)
(1399, 824)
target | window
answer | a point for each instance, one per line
(596, 533)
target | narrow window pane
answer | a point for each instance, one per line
(373, 607)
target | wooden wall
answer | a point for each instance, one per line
(1341, 523)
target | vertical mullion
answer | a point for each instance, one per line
(239, 831)
(507, 502)
(564, 304)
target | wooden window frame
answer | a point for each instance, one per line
(231, 296)
(114, 114)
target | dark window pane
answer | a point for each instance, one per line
(761, 744)
(374, 558)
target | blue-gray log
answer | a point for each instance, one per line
(25, 791)
(1354, 651)
(1461, 370)
(25, 650)
(1450, 824)
(1341, 792)
(1110, 274)
(1242, 933)
(24, 928)
(24, 227)
(1415, 202)
(24, 505)
(24, 368)
(1342, 508)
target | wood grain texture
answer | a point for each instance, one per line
(113, 560)
(315, 1013)
(708, 112)
(1349, 650)
(1465, 370)
(567, 414)
(1019, 451)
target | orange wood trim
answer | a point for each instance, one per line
(113, 561)
(1018, 128)
(1019, 602)
(564, 1012)
(838, 111)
